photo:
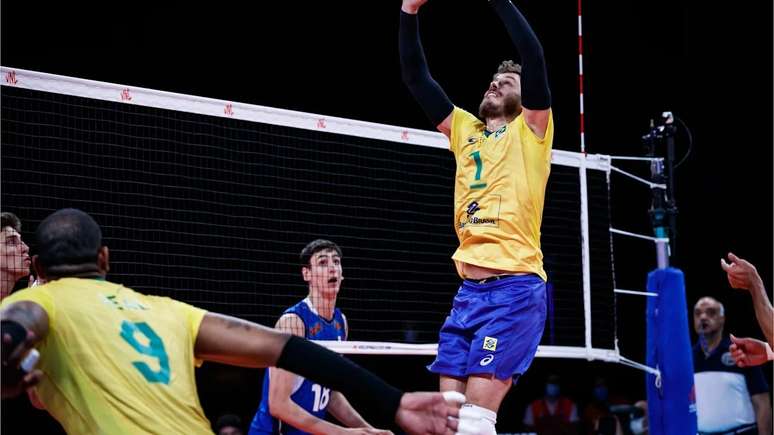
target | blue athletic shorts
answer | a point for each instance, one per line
(493, 328)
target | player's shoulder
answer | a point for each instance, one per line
(300, 308)
(290, 317)
(461, 118)
(291, 323)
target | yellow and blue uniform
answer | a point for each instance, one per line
(117, 361)
(495, 327)
(499, 192)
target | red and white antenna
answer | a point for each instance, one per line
(580, 78)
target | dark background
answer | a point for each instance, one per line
(711, 66)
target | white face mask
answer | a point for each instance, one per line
(638, 426)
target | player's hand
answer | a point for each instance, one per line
(429, 413)
(412, 6)
(748, 352)
(741, 273)
(15, 380)
(28, 380)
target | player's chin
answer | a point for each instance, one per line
(332, 288)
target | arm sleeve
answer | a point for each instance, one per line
(416, 75)
(535, 94)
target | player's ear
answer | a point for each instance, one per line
(306, 273)
(103, 260)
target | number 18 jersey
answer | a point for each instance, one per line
(117, 361)
(312, 397)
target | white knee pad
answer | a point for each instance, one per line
(475, 420)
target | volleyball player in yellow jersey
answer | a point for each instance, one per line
(115, 361)
(503, 161)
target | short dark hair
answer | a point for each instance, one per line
(8, 219)
(316, 246)
(68, 237)
(227, 420)
(508, 66)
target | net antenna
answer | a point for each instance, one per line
(663, 210)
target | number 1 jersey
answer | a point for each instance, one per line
(499, 192)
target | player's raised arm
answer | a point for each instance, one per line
(415, 72)
(535, 94)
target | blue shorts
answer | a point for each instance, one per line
(493, 328)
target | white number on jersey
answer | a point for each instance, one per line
(321, 397)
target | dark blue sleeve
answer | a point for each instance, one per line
(535, 94)
(416, 75)
(756, 382)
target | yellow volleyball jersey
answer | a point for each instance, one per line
(499, 192)
(116, 361)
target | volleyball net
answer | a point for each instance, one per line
(211, 201)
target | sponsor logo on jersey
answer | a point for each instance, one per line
(472, 209)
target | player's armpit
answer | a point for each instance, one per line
(445, 125)
(537, 121)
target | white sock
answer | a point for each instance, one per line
(475, 420)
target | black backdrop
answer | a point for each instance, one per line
(712, 66)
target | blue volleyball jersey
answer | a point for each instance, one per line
(312, 397)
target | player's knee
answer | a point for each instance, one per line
(475, 420)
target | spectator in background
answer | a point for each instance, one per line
(729, 399)
(228, 424)
(15, 256)
(553, 414)
(597, 417)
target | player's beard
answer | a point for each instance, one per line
(509, 107)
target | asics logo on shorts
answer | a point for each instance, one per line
(486, 360)
(490, 343)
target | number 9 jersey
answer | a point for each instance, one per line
(117, 361)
